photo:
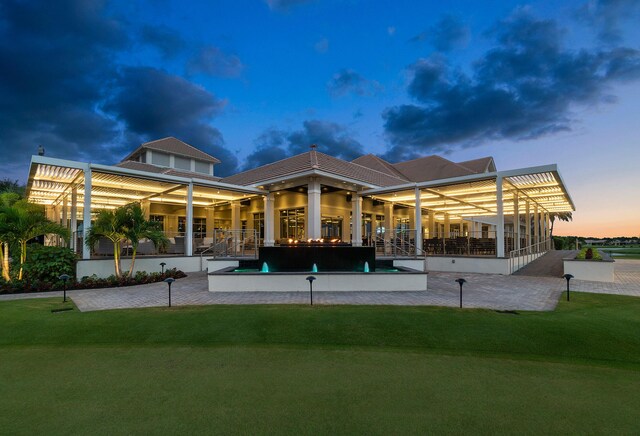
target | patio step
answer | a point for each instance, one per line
(549, 265)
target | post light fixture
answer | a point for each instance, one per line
(461, 282)
(310, 279)
(168, 281)
(64, 278)
(162, 264)
(568, 278)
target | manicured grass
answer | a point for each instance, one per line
(297, 369)
(622, 252)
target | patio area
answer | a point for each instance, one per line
(487, 291)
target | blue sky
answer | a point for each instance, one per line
(251, 81)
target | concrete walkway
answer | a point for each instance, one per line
(482, 291)
(548, 265)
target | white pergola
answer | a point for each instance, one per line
(535, 192)
(88, 187)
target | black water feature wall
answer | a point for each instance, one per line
(295, 258)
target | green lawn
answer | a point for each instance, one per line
(621, 252)
(297, 369)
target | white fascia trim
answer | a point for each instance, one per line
(308, 173)
(564, 189)
(229, 186)
(174, 179)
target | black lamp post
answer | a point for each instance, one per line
(461, 282)
(64, 278)
(168, 281)
(568, 277)
(162, 264)
(311, 279)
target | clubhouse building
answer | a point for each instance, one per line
(427, 208)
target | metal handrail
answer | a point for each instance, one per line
(523, 256)
(231, 243)
(399, 244)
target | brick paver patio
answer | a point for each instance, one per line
(482, 291)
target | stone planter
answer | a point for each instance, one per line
(593, 270)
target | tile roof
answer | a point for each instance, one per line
(482, 165)
(139, 166)
(313, 160)
(376, 163)
(431, 168)
(175, 146)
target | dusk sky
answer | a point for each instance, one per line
(253, 81)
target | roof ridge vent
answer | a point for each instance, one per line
(313, 156)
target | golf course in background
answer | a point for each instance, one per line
(331, 369)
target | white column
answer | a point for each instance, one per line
(86, 219)
(356, 220)
(516, 219)
(235, 216)
(536, 225)
(314, 223)
(546, 225)
(65, 210)
(500, 225)
(269, 220)
(388, 221)
(74, 217)
(528, 223)
(418, 222)
(432, 224)
(188, 237)
(447, 226)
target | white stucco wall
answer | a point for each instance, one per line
(416, 264)
(596, 271)
(105, 267)
(216, 264)
(485, 265)
(289, 282)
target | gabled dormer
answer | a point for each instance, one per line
(172, 153)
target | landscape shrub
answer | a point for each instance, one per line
(46, 263)
(89, 282)
(589, 253)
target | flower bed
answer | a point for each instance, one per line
(88, 282)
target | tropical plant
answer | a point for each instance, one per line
(126, 223)
(20, 222)
(561, 216)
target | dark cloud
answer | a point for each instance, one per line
(271, 146)
(445, 35)
(61, 86)
(212, 61)
(347, 81)
(606, 16)
(165, 39)
(525, 87)
(154, 104)
(332, 138)
(55, 58)
(285, 5)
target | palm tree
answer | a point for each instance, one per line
(20, 223)
(561, 216)
(126, 223)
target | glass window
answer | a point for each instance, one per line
(202, 167)
(258, 224)
(292, 224)
(199, 226)
(332, 227)
(182, 163)
(158, 219)
(161, 159)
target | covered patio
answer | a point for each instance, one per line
(72, 192)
